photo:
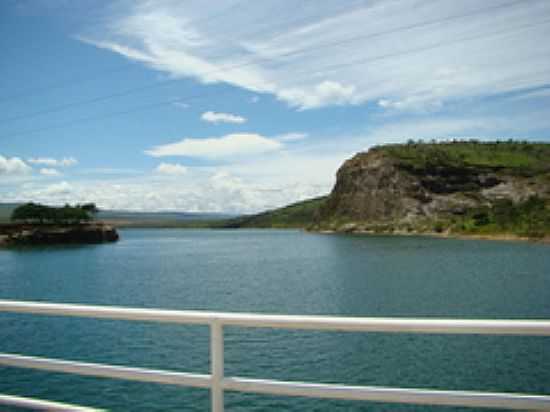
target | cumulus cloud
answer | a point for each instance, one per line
(213, 117)
(231, 145)
(49, 161)
(216, 191)
(13, 166)
(171, 169)
(49, 172)
(56, 193)
(322, 94)
(61, 188)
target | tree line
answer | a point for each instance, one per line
(41, 214)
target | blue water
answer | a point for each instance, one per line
(287, 272)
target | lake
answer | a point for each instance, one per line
(277, 271)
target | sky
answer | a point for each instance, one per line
(238, 106)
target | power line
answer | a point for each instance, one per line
(278, 26)
(155, 85)
(64, 84)
(201, 95)
(337, 66)
(114, 69)
(113, 114)
(126, 65)
(221, 13)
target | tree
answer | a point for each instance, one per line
(37, 213)
(90, 208)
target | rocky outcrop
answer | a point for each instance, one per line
(23, 234)
(379, 191)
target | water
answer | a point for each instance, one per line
(288, 272)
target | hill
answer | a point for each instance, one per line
(453, 188)
(296, 215)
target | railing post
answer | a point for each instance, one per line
(216, 365)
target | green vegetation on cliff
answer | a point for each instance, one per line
(530, 218)
(521, 158)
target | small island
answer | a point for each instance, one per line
(36, 224)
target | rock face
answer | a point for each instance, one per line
(58, 234)
(380, 191)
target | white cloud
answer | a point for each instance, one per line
(109, 171)
(412, 103)
(216, 191)
(58, 188)
(13, 166)
(322, 94)
(291, 137)
(252, 184)
(213, 117)
(49, 172)
(533, 94)
(56, 193)
(171, 169)
(48, 161)
(410, 54)
(231, 145)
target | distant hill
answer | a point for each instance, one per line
(123, 218)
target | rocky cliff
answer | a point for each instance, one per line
(459, 187)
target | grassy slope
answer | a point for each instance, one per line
(297, 215)
(524, 159)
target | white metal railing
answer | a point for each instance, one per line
(218, 383)
(40, 405)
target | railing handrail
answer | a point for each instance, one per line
(532, 327)
(41, 405)
(217, 382)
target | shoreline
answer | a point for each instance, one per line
(500, 237)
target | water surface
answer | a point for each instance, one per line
(287, 272)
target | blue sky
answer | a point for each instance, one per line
(243, 105)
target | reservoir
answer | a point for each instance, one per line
(284, 272)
